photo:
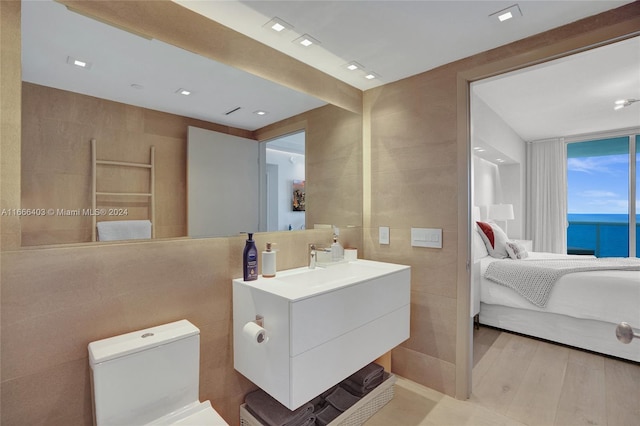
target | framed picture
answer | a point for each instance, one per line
(298, 196)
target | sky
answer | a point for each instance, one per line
(600, 184)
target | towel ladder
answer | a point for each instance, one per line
(95, 193)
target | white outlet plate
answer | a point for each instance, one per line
(426, 237)
(383, 237)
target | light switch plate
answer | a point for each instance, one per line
(426, 237)
(383, 235)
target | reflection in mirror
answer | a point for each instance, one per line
(257, 187)
(285, 185)
(128, 108)
(223, 184)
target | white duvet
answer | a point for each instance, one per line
(611, 296)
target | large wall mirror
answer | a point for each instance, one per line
(85, 80)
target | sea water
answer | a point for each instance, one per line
(606, 235)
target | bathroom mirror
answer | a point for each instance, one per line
(121, 114)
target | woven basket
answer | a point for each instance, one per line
(356, 415)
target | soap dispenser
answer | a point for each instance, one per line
(269, 262)
(250, 259)
(337, 252)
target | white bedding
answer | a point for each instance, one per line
(610, 296)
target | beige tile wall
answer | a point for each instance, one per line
(414, 184)
(10, 88)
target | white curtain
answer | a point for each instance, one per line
(546, 213)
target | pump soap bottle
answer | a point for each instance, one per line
(337, 252)
(250, 259)
(269, 262)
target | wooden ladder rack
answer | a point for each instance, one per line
(95, 193)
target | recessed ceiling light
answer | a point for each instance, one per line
(505, 16)
(353, 65)
(508, 13)
(306, 40)
(371, 76)
(78, 63)
(278, 25)
(184, 92)
(260, 112)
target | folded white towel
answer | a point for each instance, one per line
(124, 230)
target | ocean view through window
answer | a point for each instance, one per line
(598, 194)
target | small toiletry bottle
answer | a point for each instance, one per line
(337, 252)
(250, 259)
(269, 262)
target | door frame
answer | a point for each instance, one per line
(562, 47)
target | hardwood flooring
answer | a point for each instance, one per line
(522, 381)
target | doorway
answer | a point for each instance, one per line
(285, 174)
(505, 137)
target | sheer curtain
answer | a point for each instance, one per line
(546, 213)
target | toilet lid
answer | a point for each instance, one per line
(200, 414)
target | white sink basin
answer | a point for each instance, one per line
(300, 283)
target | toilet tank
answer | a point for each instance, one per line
(140, 376)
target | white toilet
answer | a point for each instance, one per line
(150, 377)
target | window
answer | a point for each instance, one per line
(598, 195)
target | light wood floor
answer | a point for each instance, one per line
(523, 381)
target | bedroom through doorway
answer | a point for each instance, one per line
(557, 100)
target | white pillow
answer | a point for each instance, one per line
(494, 239)
(479, 249)
(515, 250)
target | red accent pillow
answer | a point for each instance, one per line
(494, 238)
(488, 233)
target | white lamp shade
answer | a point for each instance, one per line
(501, 212)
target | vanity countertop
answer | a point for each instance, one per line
(301, 283)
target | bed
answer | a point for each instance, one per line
(582, 309)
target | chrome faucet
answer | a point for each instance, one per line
(312, 256)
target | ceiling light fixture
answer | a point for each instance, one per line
(184, 92)
(260, 112)
(505, 16)
(622, 103)
(508, 13)
(278, 25)
(78, 63)
(306, 40)
(371, 76)
(353, 65)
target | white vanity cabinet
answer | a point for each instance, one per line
(322, 325)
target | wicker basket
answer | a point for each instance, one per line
(356, 415)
